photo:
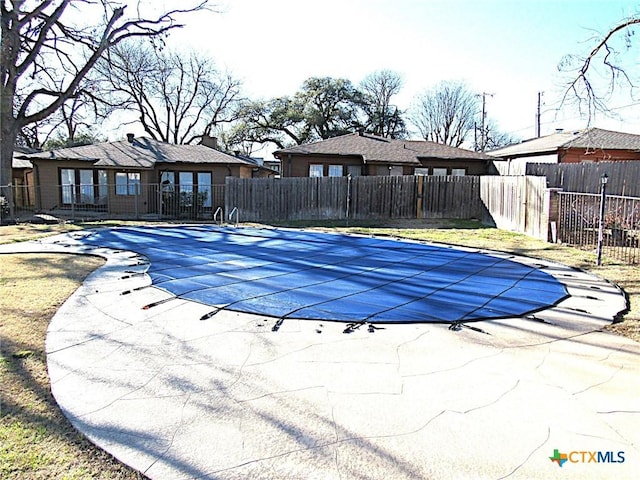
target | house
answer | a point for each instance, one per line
(589, 145)
(363, 154)
(22, 177)
(137, 175)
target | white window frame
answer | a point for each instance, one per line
(336, 170)
(316, 170)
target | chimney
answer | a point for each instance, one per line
(209, 141)
(130, 137)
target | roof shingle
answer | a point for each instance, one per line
(591, 138)
(141, 153)
(375, 149)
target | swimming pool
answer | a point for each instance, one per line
(313, 275)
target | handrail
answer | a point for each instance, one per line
(235, 210)
(215, 216)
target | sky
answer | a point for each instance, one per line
(509, 49)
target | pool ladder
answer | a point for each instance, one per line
(218, 216)
(237, 213)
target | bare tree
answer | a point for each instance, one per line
(494, 138)
(40, 40)
(445, 113)
(177, 97)
(382, 117)
(606, 59)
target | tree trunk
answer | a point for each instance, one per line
(8, 134)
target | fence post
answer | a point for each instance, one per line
(348, 196)
(138, 187)
(603, 197)
(420, 195)
(553, 213)
(73, 203)
(159, 206)
(5, 206)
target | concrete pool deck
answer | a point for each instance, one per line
(176, 397)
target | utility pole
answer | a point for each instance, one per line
(540, 94)
(475, 137)
(483, 132)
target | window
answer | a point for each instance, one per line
(185, 182)
(127, 183)
(421, 171)
(395, 170)
(439, 172)
(87, 194)
(189, 186)
(83, 186)
(354, 170)
(204, 188)
(382, 170)
(168, 182)
(316, 170)
(103, 189)
(458, 172)
(67, 184)
(335, 170)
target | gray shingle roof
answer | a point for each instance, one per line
(17, 161)
(375, 149)
(588, 138)
(141, 153)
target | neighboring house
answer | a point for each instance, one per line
(364, 154)
(589, 145)
(22, 177)
(138, 175)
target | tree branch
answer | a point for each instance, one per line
(581, 87)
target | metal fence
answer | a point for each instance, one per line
(579, 221)
(134, 201)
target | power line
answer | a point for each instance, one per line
(549, 122)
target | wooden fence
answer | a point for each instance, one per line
(515, 203)
(450, 197)
(518, 203)
(357, 198)
(624, 177)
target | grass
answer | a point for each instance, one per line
(36, 440)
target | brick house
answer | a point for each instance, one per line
(589, 145)
(363, 154)
(135, 175)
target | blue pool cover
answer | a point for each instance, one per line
(313, 275)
